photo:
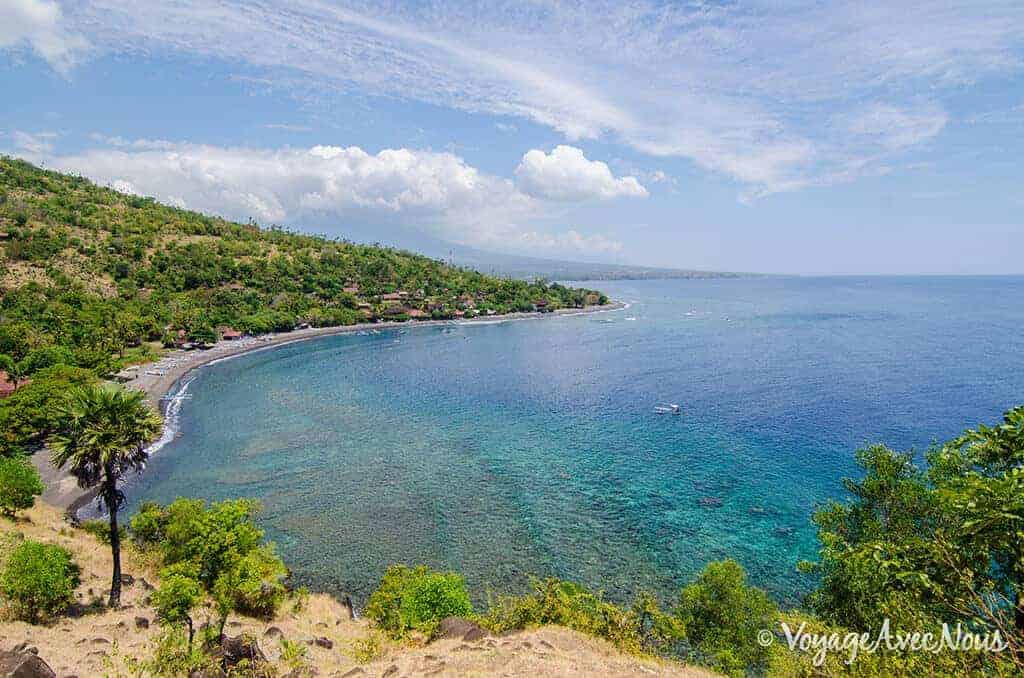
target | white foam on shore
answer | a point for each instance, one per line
(172, 416)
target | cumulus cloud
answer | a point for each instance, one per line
(437, 193)
(38, 25)
(566, 174)
(725, 85)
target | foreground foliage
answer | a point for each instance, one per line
(38, 580)
(417, 599)
(216, 549)
(19, 485)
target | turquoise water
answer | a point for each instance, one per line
(510, 449)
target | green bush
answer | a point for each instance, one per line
(221, 546)
(417, 599)
(722, 615)
(644, 628)
(19, 484)
(38, 580)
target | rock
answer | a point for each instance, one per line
(99, 640)
(24, 665)
(141, 623)
(325, 643)
(146, 585)
(390, 671)
(352, 673)
(234, 650)
(273, 632)
(25, 647)
(127, 580)
(461, 629)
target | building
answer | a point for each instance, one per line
(8, 386)
(416, 313)
(229, 333)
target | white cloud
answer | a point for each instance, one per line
(746, 90)
(566, 175)
(570, 241)
(34, 143)
(895, 128)
(437, 193)
(38, 25)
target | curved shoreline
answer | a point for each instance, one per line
(158, 379)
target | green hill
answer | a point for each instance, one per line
(96, 271)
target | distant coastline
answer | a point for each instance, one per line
(158, 379)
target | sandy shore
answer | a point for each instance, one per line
(157, 379)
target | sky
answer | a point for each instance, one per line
(792, 136)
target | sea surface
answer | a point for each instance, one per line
(512, 449)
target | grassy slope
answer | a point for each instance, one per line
(103, 642)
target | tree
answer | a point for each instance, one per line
(980, 481)
(19, 484)
(221, 548)
(722, 615)
(178, 595)
(102, 435)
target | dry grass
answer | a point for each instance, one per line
(101, 642)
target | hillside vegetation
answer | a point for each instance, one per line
(81, 260)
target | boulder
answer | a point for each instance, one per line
(458, 628)
(141, 623)
(23, 662)
(325, 643)
(234, 650)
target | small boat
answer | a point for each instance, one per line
(668, 408)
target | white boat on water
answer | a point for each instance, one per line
(668, 408)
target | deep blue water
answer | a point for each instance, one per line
(518, 448)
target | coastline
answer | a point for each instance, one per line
(157, 380)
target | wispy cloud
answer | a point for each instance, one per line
(37, 25)
(751, 91)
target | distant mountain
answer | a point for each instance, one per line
(514, 266)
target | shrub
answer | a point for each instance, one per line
(38, 580)
(567, 604)
(19, 484)
(722, 615)
(417, 599)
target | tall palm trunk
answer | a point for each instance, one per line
(110, 497)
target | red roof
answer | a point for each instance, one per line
(8, 387)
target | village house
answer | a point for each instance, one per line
(9, 386)
(229, 333)
(417, 314)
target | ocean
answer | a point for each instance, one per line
(511, 450)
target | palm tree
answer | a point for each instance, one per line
(102, 435)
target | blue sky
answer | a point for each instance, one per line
(807, 137)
